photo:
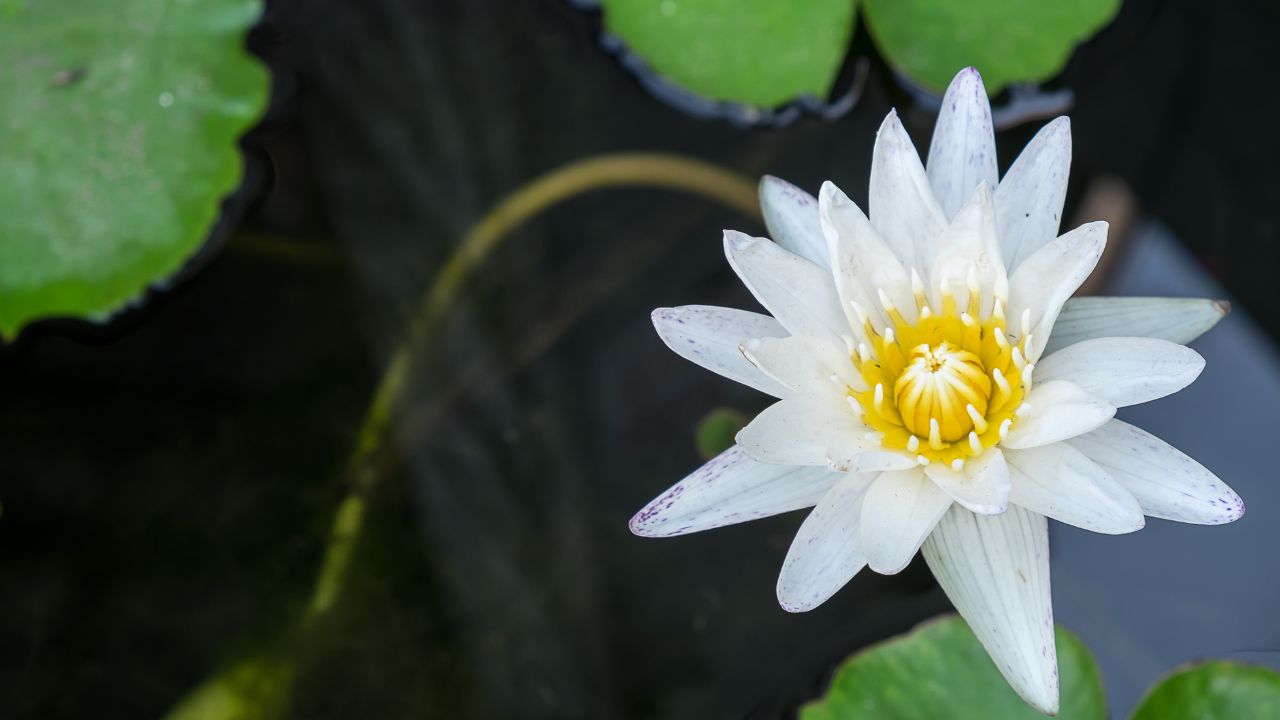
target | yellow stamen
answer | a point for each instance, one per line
(945, 387)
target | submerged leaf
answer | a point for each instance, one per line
(717, 429)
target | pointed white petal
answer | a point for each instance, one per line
(825, 553)
(795, 431)
(731, 488)
(968, 250)
(1058, 481)
(1166, 482)
(798, 293)
(899, 511)
(806, 365)
(1059, 410)
(791, 215)
(710, 337)
(995, 569)
(963, 151)
(901, 202)
(1123, 370)
(1178, 320)
(1047, 278)
(862, 263)
(982, 486)
(1029, 198)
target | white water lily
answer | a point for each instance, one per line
(936, 390)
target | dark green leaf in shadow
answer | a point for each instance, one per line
(939, 670)
(757, 52)
(1007, 40)
(1216, 690)
(716, 431)
(117, 144)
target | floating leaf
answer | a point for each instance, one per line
(118, 142)
(939, 670)
(757, 52)
(1007, 40)
(1217, 690)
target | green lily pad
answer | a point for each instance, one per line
(1217, 690)
(939, 670)
(757, 52)
(1007, 40)
(117, 144)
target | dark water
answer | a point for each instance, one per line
(168, 482)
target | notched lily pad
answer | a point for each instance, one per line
(117, 144)
(1007, 40)
(761, 53)
(939, 670)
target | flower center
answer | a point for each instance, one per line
(938, 384)
(947, 385)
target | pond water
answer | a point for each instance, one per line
(169, 481)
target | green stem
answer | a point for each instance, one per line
(627, 169)
(258, 687)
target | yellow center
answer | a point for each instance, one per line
(945, 387)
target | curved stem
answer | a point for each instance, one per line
(625, 169)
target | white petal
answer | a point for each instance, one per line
(982, 486)
(1029, 198)
(963, 151)
(968, 250)
(1047, 278)
(1059, 410)
(899, 511)
(1166, 482)
(731, 488)
(901, 202)
(1123, 370)
(806, 365)
(1178, 320)
(795, 431)
(1060, 482)
(853, 452)
(798, 293)
(995, 569)
(862, 263)
(710, 337)
(825, 553)
(791, 215)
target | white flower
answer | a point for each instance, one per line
(933, 392)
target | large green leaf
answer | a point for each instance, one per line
(1007, 40)
(118, 142)
(1217, 690)
(939, 670)
(757, 52)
